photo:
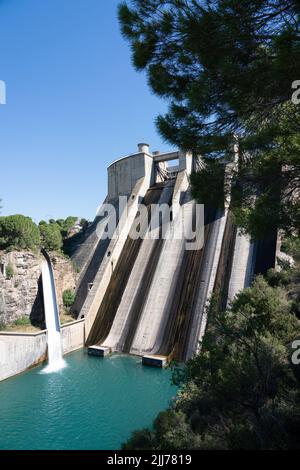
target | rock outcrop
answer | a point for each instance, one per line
(65, 277)
(21, 287)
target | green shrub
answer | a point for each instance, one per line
(291, 246)
(22, 321)
(9, 271)
(51, 236)
(241, 391)
(75, 266)
(66, 224)
(68, 297)
(278, 278)
(83, 222)
(18, 232)
(69, 223)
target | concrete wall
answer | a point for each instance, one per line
(243, 264)
(124, 173)
(72, 336)
(21, 351)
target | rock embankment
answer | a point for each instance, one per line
(21, 287)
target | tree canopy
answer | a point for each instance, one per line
(227, 69)
(220, 63)
(51, 237)
(18, 232)
(66, 224)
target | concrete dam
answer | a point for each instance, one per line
(148, 295)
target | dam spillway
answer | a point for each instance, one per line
(55, 359)
(148, 296)
(120, 280)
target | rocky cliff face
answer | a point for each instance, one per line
(21, 287)
(65, 277)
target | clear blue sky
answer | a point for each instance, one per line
(74, 104)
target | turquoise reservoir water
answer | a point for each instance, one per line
(94, 403)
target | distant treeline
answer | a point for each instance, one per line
(18, 232)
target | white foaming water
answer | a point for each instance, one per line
(55, 367)
(55, 359)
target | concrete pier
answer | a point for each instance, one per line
(100, 351)
(155, 361)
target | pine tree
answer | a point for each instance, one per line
(226, 67)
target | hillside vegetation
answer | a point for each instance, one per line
(18, 232)
(242, 391)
